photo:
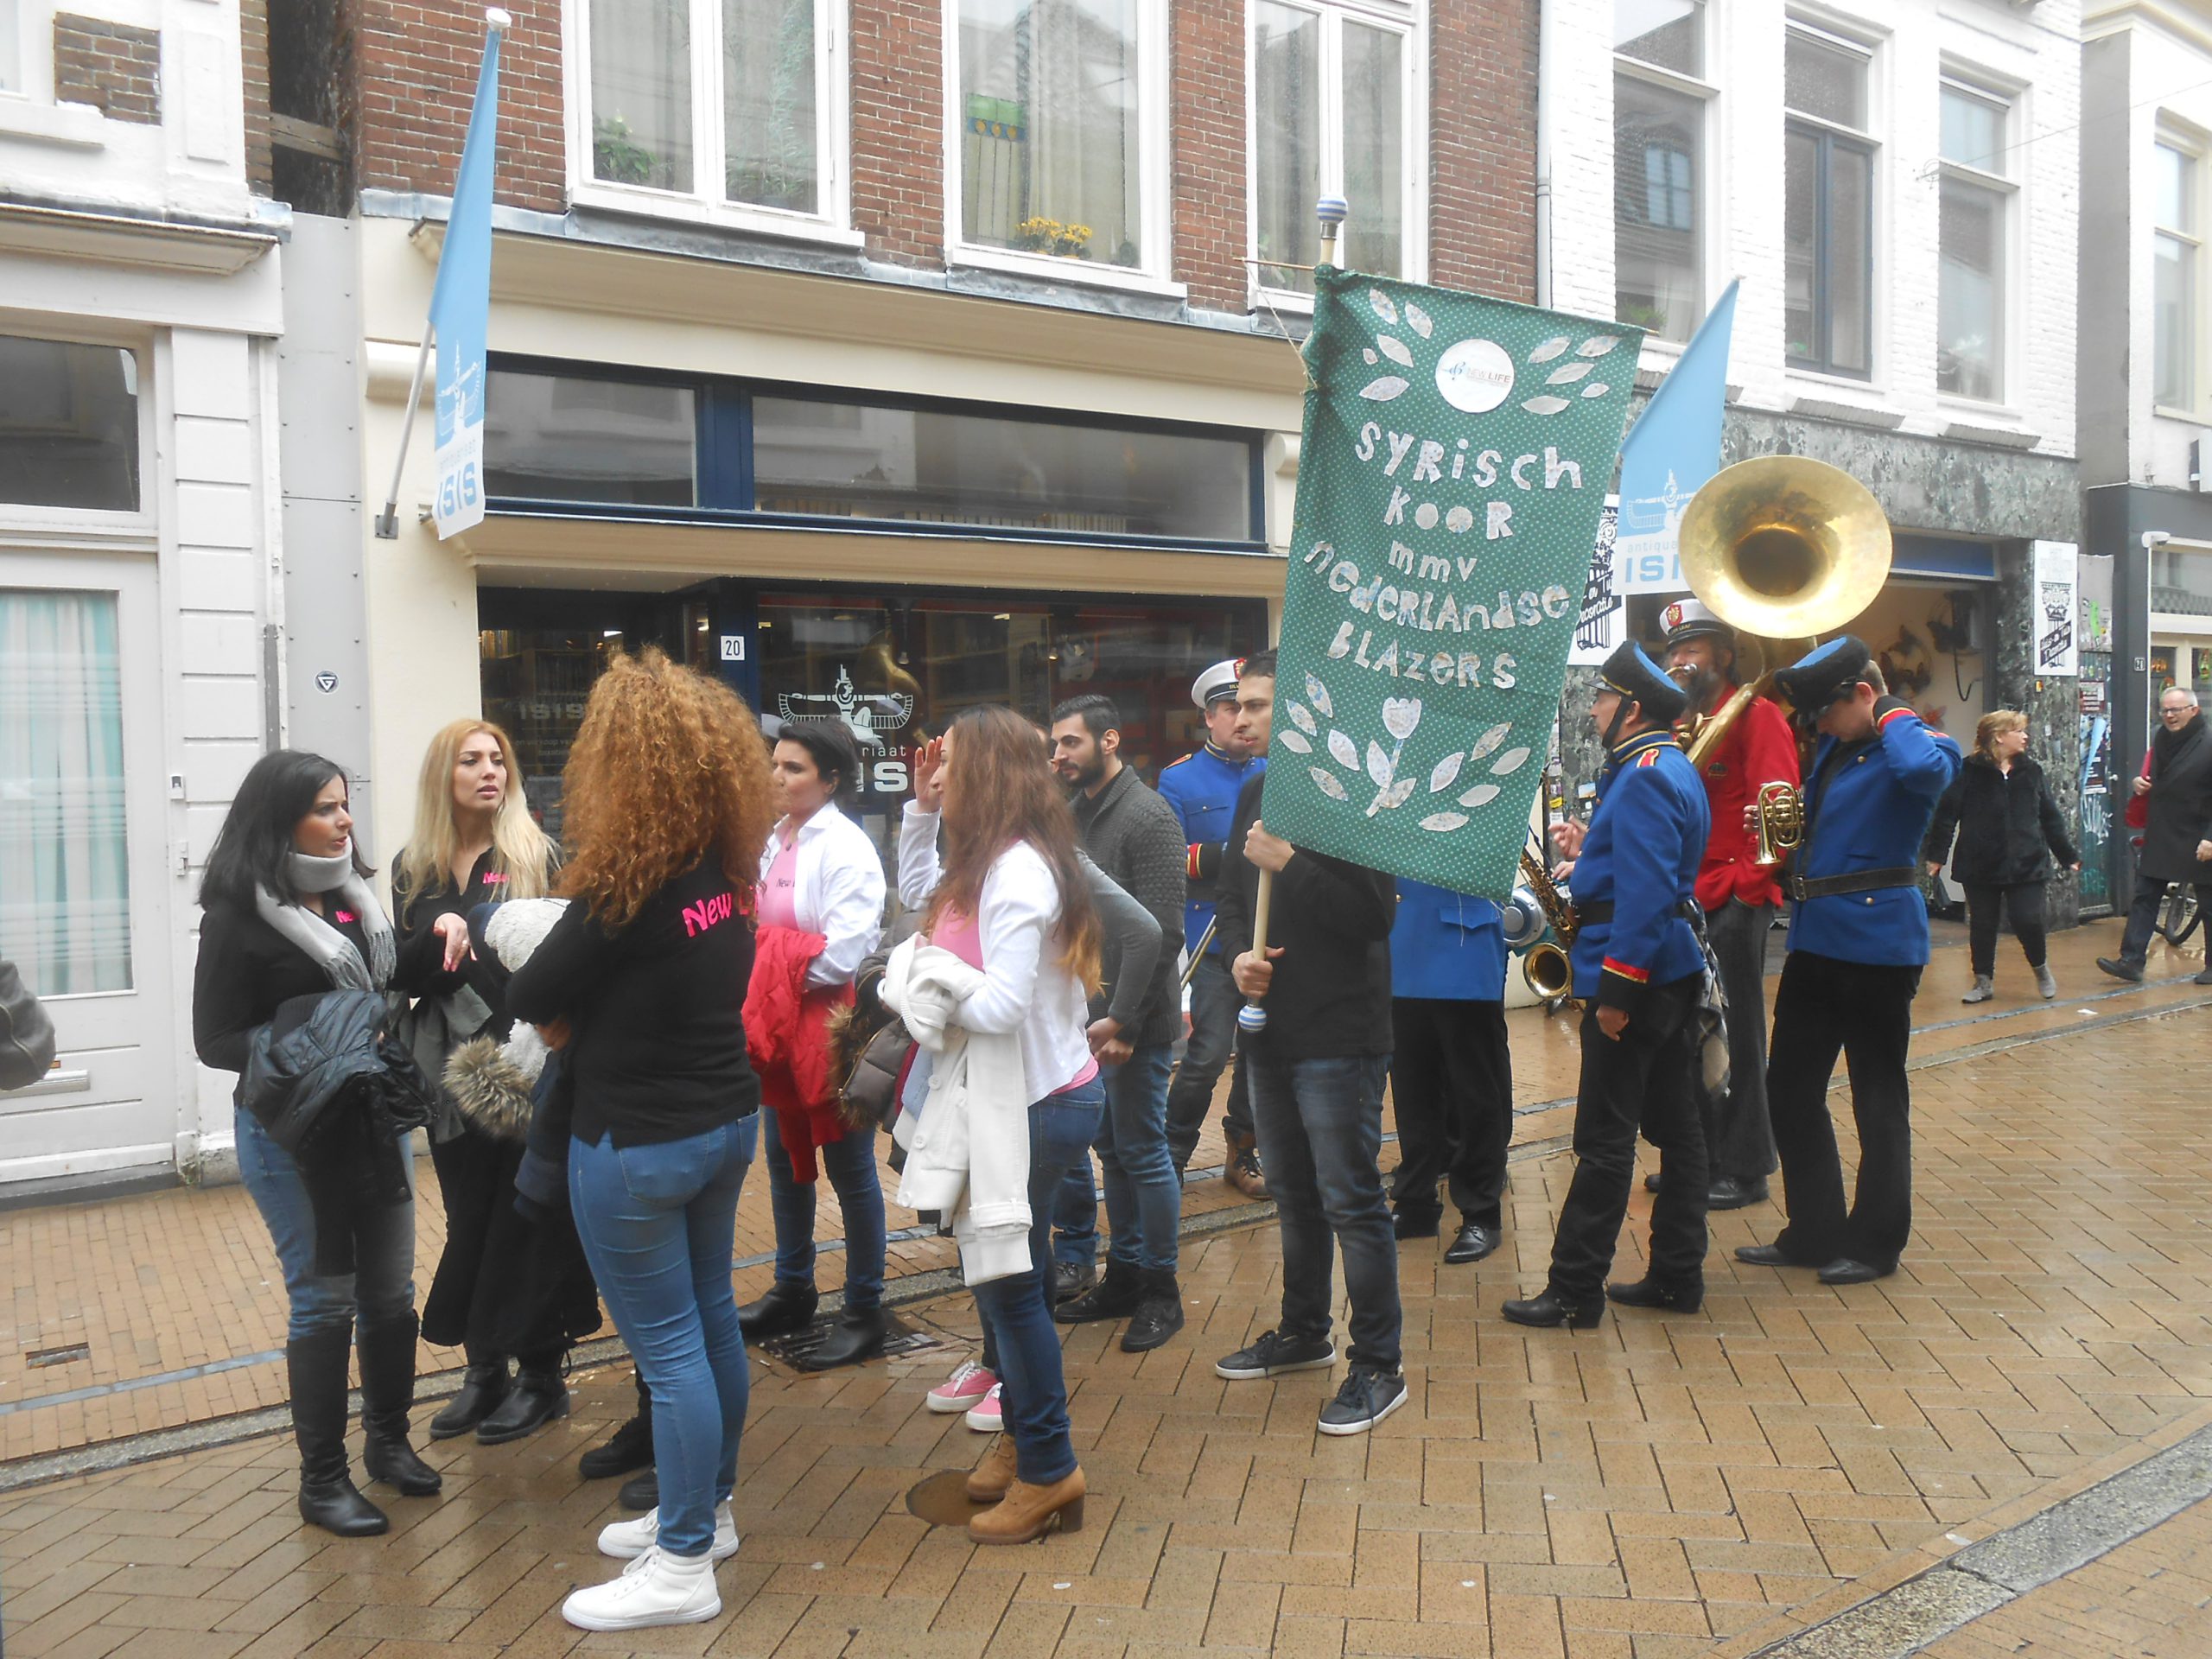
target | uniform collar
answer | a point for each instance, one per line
(1224, 756)
(1630, 748)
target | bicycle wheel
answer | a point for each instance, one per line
(2178, 916)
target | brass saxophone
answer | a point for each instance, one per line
(1546, 966)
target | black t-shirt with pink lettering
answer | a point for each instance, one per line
(657, 1045)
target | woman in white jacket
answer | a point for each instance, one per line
(1007, 899)
(820, 874)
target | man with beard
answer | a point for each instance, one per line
(1132, 836)
(2177, 836)
(1739, 895)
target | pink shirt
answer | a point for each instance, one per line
(779, 890)
(958, 933)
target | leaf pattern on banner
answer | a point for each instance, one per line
(1346, 751)
(1441, 777)
(1568, 371)
(1327, 784)
(1396, 350)
(1369, 357)
(1401, 715)
(1295, 741)
(1378, 765)
(1490, 739)
(1481, 795)
(1317, 695)
(1511, 761)
(1381, 301)
(1596, 345)
(1417, 319)
(1444, 822)
(1398, 793)
(1544, 405)
(1596, 389)
(1383, 389)
(1550, 349)
(1302, 717)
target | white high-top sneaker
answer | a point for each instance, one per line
(657, 1588)
(628, 1540)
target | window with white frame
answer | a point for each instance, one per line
(1828, 209)
(1975, 206)
(11, 46)
(1332, 114)
(2176, 285)
(1660, 95)
(1052, 143)
(723, 104)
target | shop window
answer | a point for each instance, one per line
(1333, 100)
(68, 425)
(1827, 206)
(937, 467)
(1659, 100)
(550, 437)
(1051, 152)
(714, 104)
(2176, 285)
(1976, 201)
(65, 889)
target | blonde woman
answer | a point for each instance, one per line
(506, 1287)
(2009, 829)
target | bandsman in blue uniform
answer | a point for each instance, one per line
(1638, 970)
(1858, 941)
(1202, 787)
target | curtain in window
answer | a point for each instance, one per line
(65, 897)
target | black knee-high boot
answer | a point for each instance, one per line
(328, 1498)
(387, 1395)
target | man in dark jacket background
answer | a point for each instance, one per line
(2177, 839)
(1315, 1074)
(1135, 838)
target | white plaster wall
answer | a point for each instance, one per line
(1916, 40)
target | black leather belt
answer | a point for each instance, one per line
(1828, 886)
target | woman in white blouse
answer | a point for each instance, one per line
(820, 874)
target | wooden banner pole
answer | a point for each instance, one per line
(1252, 1016)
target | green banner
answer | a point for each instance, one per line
(1456, 455)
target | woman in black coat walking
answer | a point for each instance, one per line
(2008, 828)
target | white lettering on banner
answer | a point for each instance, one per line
(459, 503)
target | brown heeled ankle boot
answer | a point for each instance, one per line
(1027, 1513)
(988, 1482)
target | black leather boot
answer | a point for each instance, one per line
(858, 1335)
(328, 1498)
(1550, 1308)
(641, 1492)
(539, 1397)
(1159, 1316)
(785, 1308)
(1685, 1296)
(1117, 1294)
(631, 1447)
(387, 1396)
(481, 1390)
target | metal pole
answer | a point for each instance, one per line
(388, 521)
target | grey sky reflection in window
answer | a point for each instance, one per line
(568, 438)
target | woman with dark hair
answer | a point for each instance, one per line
(821, 913)
(1001, 976)
(2008, 829)
(504, 1285)
(638, 984)
(289, 912)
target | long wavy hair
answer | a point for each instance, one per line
(668, 767)
(520, 850)
(999, 790)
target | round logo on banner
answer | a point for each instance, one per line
(1475, 375)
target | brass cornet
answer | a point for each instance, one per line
(1780, 821)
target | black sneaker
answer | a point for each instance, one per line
(1274, 1354)
(1366, 1398)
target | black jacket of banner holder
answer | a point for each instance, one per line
(2009, 827)
(1331, 995)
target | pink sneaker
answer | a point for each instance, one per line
(963, 1388)
(986, 1418)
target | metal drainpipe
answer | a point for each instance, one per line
(1547, 66)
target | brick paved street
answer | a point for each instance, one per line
(1657, 1486)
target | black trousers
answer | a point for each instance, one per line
(1214, 1003)
(1452, 1090)
(2143, 916)
(1738, 1137)
(1864, 1012)
(505, 1285)
(1646, 1079)
(2023, 903)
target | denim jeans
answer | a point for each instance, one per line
(1320, 1129)
(1214, 1003)
(1144, 1200)
(1017, 1311)
(659, 1224)
(850, 1166)
(382, 1284)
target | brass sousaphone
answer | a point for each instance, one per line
(1782, 549)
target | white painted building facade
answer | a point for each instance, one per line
(139, 304)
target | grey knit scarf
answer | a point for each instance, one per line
(320, 937)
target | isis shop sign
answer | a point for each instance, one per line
(1456, 460)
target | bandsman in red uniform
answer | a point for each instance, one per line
(1739, 895)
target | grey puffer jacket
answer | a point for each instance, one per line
(25, 1034)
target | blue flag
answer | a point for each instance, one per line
(461, 306)
(1669, 453)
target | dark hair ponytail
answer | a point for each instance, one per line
(831, 750)
(254, 848)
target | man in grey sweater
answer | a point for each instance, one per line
(1135, 836)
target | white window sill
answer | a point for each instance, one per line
(1869, 389)
(69, 126)
(1080, 273)
(686, 210)
(1286, 300)
(2193, 416)
(1972, 409)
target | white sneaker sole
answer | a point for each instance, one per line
(644, 1621)
(1361, 1429)
(984, 1425)
(945, 1407)
(1223, 1368)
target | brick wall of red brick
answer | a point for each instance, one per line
(897, 116)
(113, 66)
(417, 63)
(1482, 146)
(1207, 86)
